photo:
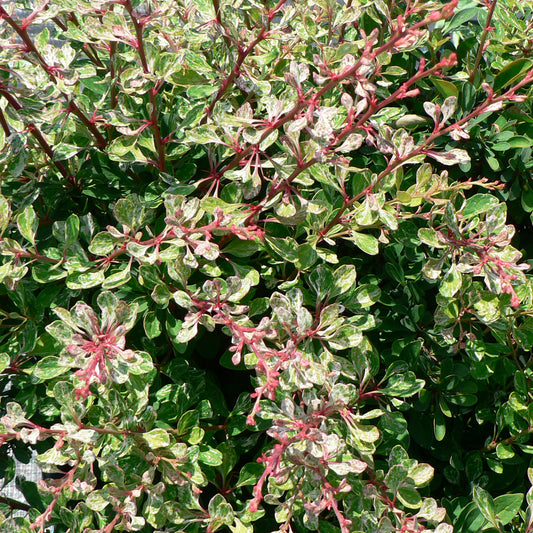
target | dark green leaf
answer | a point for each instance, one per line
(512, 73)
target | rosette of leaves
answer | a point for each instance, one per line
(95, 346)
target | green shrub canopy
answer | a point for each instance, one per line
(264, 265)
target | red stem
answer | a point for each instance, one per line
(236, 70)
(482, 41)
(5, 125)
(152, 93)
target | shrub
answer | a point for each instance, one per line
(258, 271)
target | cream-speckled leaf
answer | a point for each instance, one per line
(157, 438)
(451, 282)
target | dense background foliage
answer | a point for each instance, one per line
(264, 265)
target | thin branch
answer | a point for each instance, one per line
(152, 93)
(93, 54)
(482, 42)
(236, 70)
(50, 153)
(242, 54)
(4, 124)
(510, 440)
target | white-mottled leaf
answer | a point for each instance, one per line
(5, 213)
(432, 269)
(366, 242)
(429, 236)
(157, 438)
(452, 157)
(353, 466)
(444, 528)
(431, 109)
(344, 278)
(96, 501)
(27, 224)
(451, 282)
(421, 474)
(448, 107)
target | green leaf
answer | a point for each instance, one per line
(519, 141)
(461, 16)
(220, 512)
(249, 474)
(421, 474)
(307, 257)
(507, 507)
(404, 197)
(103, 243)
(410, 497)
(155, 510)
(152, 325)
(395, 477)
(463, 399)
(117, 278)
(445, 88)
(31, 495)
(365, 433)
(403, 385)
(285, 248)
(321, 281)
(501, 146)
(27, 224)
(504, 451)
(72, 229)
(157, 438)
(344, 279)
(477, 204)
(512, 73)
(496, 218)
(203, 135)
(49, 368)
(188, 421)
(430, 237)
(527, 200)
(493, 163)
(365, 242)
(5, 361)
(240, 527)
(85, 280)
(201, 91)
(240, 248)
(97, 500)
(485, 504)
(487, 308)
(366, 295)
(471, 520)
(124, 212)
(210, 456)
(451, 282)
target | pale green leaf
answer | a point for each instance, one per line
(157, 438)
